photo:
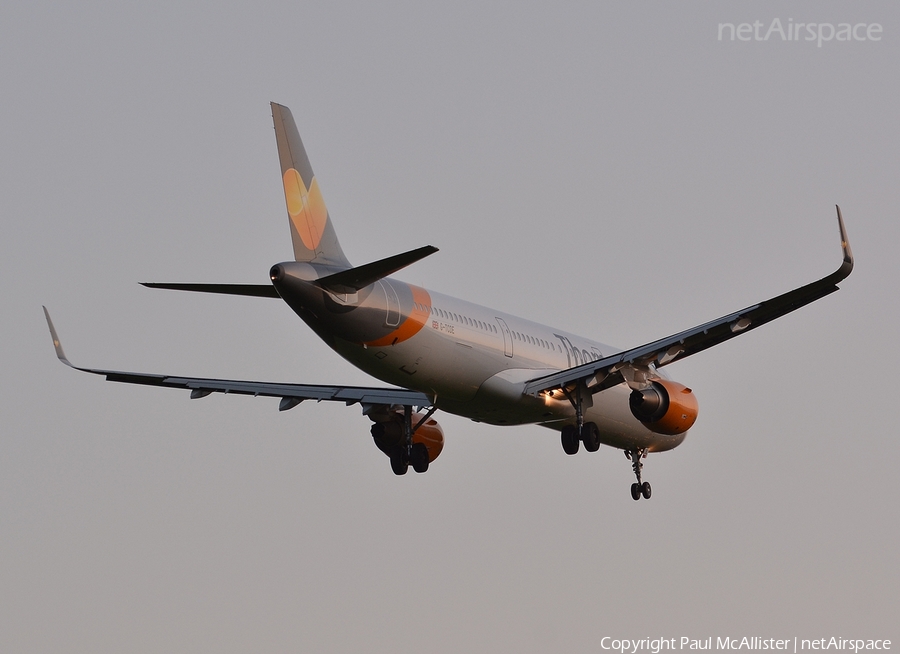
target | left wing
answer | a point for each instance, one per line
(633, 365)
(291, 394)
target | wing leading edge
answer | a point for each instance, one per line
(291, 394)
(625, 366)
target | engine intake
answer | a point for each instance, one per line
(665, 407)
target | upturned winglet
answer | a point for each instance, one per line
(56, 344)
(847, 266)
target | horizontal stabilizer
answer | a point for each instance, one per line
(252, 290)
(352, 280)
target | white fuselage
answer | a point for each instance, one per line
(476, 360)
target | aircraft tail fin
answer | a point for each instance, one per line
(312, 232)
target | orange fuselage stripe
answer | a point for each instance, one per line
(414, 322)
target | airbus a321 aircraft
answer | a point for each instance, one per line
(447, 354)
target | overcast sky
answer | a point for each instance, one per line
(613, 169)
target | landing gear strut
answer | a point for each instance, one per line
(638, 489)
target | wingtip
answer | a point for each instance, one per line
(60, 354)
(845, 244)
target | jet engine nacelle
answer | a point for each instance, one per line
(388, 432)
(665, 407)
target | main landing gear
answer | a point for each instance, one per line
(571, 437)
(638, 489)
(416, 456)
(581, 431)
(406, 453)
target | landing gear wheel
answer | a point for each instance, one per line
(638, 488)
(569, 439)
(590, 436)
(635, 491)
(418, 457)
(399, 462)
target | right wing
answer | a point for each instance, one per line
(291, 394)
(613, 370)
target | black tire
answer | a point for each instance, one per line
(635, 491)
(590, 436)
(419, 457)
(399, 462)
(569, 439)
(645, 490)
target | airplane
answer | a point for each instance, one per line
(448, 354)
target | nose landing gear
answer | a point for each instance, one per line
(638, 489)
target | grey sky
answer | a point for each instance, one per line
(612, 170)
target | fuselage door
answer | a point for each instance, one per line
(392, 317)
(507, 337)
